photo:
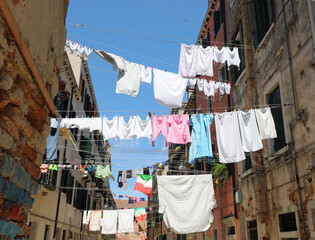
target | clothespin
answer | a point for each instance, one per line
(150, 115)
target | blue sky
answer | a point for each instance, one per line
(110, 21)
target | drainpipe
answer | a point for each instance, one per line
(297, 178)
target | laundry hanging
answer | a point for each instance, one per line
(86, 217)
(201, 137)
(186, 202)
(144, 184)
(82, 51)
(169, 88)
(109, 222)
(251, 139)
(228, 138)
(178, 129)
(205, 61)
(140, 214)
(265, 123)
(110, 128)
(52, 140)
(95, 220)
(126, 131)
(145, 74)
(143, 128)
(125, 220)
(188, 61)
(159, 125)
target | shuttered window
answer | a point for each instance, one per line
(261, 12)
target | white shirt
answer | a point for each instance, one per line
(205, 61)
(109, 222)
(188, 61)
(129, 81)
(265, 123)
(169, 88)
(110, 128)
(126, 130)
(143, 128)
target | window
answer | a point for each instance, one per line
(252, 230)
(80, 195)
(287, 222)
(275, 99)
(218, 17)
(206, 41)
(230, 230)
(214, 234)
(238, 41)
(85, 147)
(261, 12)
(181, 236)
(221, 73)
(46, 233)
(64, 232)
(247, 164)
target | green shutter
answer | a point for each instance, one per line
(270, 11)
(216, 22)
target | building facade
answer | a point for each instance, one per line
(276, 183)
(30, 60)
(70, 191)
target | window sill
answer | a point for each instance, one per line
(247, 173)
(239, 78)
(264, 40)
(278, 153)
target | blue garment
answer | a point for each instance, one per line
(201, 137)
(52, 140)
(204, 144)
(195, 136)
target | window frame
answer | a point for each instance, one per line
(312, 20)
(290, 234)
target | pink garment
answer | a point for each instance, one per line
(43, 168)
(178, 129)
(159, 125)
(137, 200)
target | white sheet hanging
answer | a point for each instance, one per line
(169, 88)
(205, 61)
(96, 124)
(251, 140)
(228, 138)
(125, 220)
(110, 128)
(186, 202)
(126, 131)
(220, 56)
(188, 61)
(233, 58)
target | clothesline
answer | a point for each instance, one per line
(188, 109)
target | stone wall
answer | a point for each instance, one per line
(24, 115)
(270, 187)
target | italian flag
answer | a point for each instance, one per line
(144, 184)
(140, 214)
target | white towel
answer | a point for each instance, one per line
(86, 217)
(145, 74)
(109, 222)
(205, 61)
(265, 123)
(251, 140)
(188, 61)
(169, 88)
(125, 220)
(110, 128)
(229, 138)
(129, 81)
(186, 202)
(126, 130)
(143, 128)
